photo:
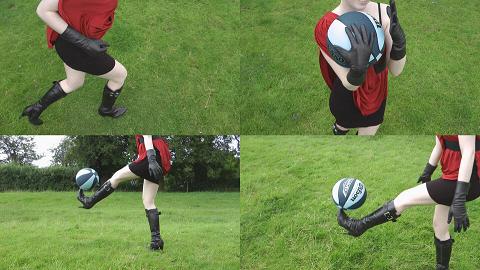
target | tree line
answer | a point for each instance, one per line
(198, 162)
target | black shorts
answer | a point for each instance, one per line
(346, 114)
(442, 191)
(141, 169)
(79, 60)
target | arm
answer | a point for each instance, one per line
(357, 57)
(467, 148)
(436, 153)
(395, 41)
(432, 163)
(340, 71)
(153, 167)
(458, 208)
(47, 10)
(148, 142)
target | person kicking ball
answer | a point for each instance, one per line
(460, 159)
(152, 164)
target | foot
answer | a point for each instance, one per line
(114, 112)
(157, 244)
(351, 225)
(33, 112)
(84, 200)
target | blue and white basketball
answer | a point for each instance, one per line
(336, 36)
(349, 193)
(86, 178)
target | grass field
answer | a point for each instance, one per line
(288, 219)
(282, 91)
(182, 58)
(46, 230)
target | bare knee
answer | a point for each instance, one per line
(121, 74)
(70, 85)
(441, 230)
(148, 203)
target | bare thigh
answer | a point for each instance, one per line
(124, 174)
(417, 195)
(74, 80)
(116, 77)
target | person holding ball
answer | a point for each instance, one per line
(359, 92)
(459, 156)
(75, 29)
(152, 164)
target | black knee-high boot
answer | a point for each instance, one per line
(154, 222)
(357, 227)
(33, 111)
(444, 251)
(88, 202)
(108, 99)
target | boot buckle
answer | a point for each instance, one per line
(389, 217)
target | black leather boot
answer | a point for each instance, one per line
(337, 131)
(444, 251)
(88, 202)
(33, 111)
(107, 108)
(153, 220)
(357, 227)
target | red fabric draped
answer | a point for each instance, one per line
(92, 18)
(370, 95)
(450, 160)
(161, 146)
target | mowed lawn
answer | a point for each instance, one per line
(283, 92)
(288, 219)
(182, 59)
(46, 230)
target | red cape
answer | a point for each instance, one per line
(92, 18)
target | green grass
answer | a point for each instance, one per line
(46, 230)
(288, 219)
(282, 91)
(183, 62)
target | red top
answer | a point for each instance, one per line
(92, 18)
(450, 159)
(370, 95)
(161, 146)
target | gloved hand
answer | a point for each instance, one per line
(458, 209)
(359, 55)
(427, 173)
(399, 46)
(153, 167)
(90, 46)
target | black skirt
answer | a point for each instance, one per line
(79, 60)
(141, 169)
(346, 114)
(442, 191)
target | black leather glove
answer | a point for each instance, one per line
(427, 173)
(90, 46)
(458, 209)
(153, 167)
(359, 55)
(399, 46)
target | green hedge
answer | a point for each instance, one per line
(24, 177)
(14, 177)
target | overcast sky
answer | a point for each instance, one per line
(43, 145)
